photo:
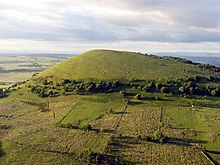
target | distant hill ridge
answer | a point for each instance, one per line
(109, 64)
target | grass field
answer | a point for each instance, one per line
(32, 131)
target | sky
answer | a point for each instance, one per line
(75, 26)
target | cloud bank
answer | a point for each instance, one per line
(109, 24)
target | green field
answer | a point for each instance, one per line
(122, 125)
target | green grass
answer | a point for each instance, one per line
(94, 107)
(34, 137)
(33, 131)
(204, 122)
(108, 65)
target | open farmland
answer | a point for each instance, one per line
(116, 136)
(18, 68)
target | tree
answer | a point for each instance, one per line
(146, 88)
(85, 126)
(164, 90)
(213, 93)
(138, 96)
(2, 93)
(158, 136)
(182, 89)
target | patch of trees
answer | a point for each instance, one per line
(196, 85)
(50, 89)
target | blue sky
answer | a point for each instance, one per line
(72, 26)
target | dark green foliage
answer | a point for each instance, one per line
(2, 93)
(158, 136)
(187, 86)
(72, 86)
(146, 88)
(1, 150)
(182, 89)
(109, 111)
(138, 97)
(69, 125)
(213, 92)
(85, 126)
(164, 90)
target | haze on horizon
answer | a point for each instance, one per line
(72, 26)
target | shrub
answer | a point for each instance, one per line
(164, 90)
(109, 111)
(2, 93)
(85, 126)
(158, 136)
(182, 89)
(138, 96)
(122, 93)
(213, 93)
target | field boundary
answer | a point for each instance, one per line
(208, 158)
(67, 113)
(118, 123)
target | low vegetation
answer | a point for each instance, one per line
(147, 116)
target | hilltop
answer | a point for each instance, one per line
(108, 65)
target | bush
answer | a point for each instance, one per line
(2, 93)
(213, 93)
(109, 111)
(164, 90)
(138, 96)
(85, 126)
(158, 136)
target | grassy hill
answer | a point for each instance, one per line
(108, 65)
(111, 122)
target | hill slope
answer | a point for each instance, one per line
(107, 64)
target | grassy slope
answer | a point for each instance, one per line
(106, 64)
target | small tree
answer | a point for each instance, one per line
(213, 93)
(138, 96)
(182, 89)
(158, 136)
(164, 90)
(85, 126)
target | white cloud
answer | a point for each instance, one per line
(109, 22)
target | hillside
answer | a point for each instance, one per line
(107, 65)
(57, 119)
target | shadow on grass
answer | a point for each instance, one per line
(213, 152)
(119, 113)
(155, 99)
(109, 131)
(1, 150)
(110, 159)
(209, 105)
(208, 152)
(135, 103)
(184, 142)
(121, 143)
